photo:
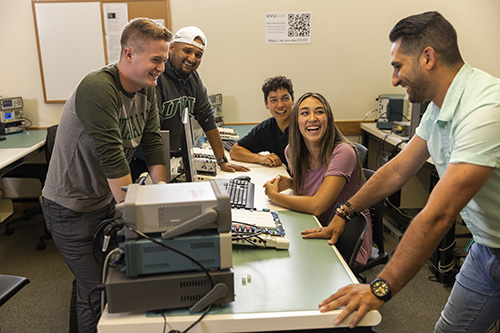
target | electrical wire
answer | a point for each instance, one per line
(363, 120)
(174, 180)
(89, 299)
(235, 235)
(105, 227)
(448, 274)
(105, 272)
(379, 151)
(449, 246)
(400, 113)
(31, 123)
(141, 234)
(398, 209)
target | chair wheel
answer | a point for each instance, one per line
(9, 231)
(40, 246)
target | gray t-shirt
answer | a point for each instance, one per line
(100, 128)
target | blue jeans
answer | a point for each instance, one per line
(474, 303)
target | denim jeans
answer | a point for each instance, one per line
(474, 303)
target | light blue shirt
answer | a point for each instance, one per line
(467, 130)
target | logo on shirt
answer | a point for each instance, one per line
(172, 107)
(132, 127)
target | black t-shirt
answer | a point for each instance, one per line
(266, 136)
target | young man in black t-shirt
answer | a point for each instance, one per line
(271, 135)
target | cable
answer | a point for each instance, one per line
(368, 114)
(141, 234)
(363, 120)
(377, 157)
(164, 322)
(398, 209)
(449, 273)
(248, 239)
(449, 246)
(31, 123)
(105, 272)
(89, 300)
(105, 231)
(396, 147)
(256, 231)
(174, 180)
(383, 114)
(199, 319)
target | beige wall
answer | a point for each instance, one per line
(347, 61)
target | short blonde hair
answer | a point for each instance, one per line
(141, 30)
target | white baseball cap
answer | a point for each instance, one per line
(189, 34)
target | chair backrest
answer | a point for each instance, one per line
(377, 215)
(49, 142)
(351, 239)
(362, 152)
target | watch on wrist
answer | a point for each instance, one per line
(221, 160)
(380, 288)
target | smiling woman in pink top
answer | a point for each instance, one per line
(325, 166)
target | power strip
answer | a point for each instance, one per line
(264, 241)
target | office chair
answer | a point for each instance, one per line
(37, 171)
(351, 239)
(378, 255)
(10, 285)
(362, 152)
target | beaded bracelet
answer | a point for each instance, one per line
(343, 214)
(354, 212)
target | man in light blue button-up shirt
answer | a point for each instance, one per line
(460, 130)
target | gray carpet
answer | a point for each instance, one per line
(43, 305)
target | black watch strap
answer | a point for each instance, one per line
(221, 160)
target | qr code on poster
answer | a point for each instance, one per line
(299, 25)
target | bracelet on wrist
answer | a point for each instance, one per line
(354, 212)
(342, 214)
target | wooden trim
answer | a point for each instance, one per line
(347, 127)
(350, 127)
(39, 51)
(236, 124)
(36, 128)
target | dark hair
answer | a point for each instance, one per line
(299, 154)
(140, 30)
(427, 29)
(274, 83)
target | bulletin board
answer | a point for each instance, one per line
(71, 39)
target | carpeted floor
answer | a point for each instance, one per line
(42, 305)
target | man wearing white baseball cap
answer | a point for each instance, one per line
(180, 86)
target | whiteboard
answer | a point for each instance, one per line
(70, 45)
